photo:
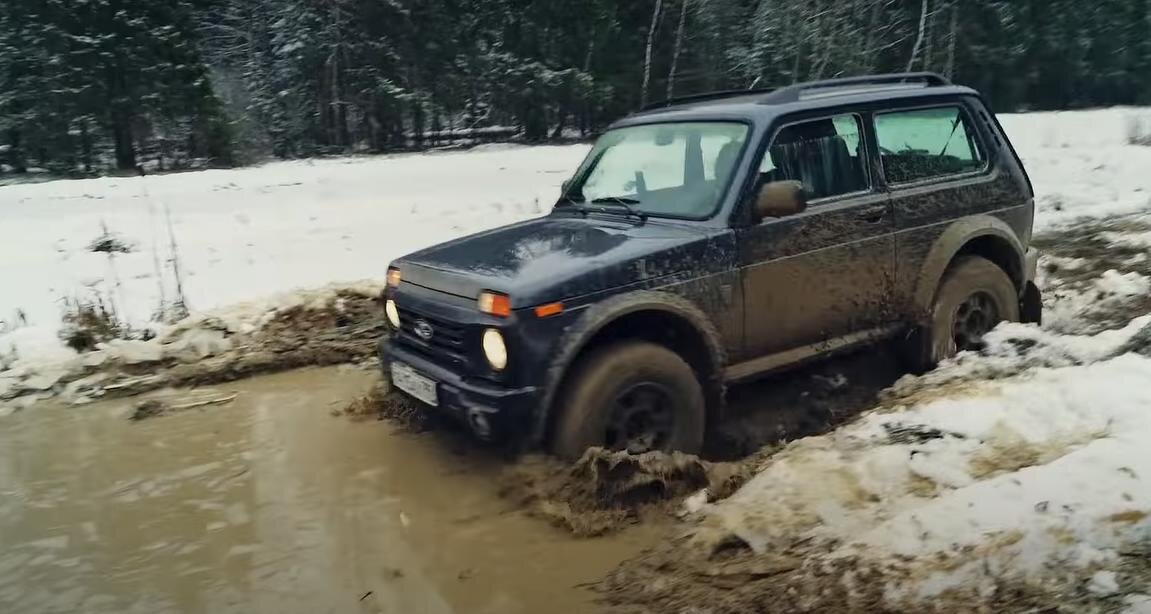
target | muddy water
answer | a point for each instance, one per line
(270, 504)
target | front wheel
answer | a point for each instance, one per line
(974, 296)
(634, 396)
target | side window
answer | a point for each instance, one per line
(826, 155)
(927, 143)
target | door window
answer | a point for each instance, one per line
(927, 143)
(825, 154)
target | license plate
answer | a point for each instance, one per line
(407, 379)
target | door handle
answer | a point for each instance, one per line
(872, 215)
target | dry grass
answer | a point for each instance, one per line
(1128, 516)
(90, 322)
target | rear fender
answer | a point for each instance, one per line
(959, 235)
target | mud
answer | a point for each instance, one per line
(382, 403)
(606, 491)
(1073, 259)
(807, 401)
(270, 503)
(805, 577)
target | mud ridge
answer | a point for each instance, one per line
(605, 491)
(805, 576)
(341, 329)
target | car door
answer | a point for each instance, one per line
(827, 272)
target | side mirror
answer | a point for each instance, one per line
(780, 199)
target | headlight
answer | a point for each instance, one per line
(495, 350)
(393, 313)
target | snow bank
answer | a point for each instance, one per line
(1044, 475)
(36, 366)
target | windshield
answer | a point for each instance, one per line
(673, 169)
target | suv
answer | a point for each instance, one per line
(716, 238)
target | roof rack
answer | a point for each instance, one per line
(794, 93)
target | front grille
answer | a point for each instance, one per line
(446, 344)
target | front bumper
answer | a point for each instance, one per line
(490, 411)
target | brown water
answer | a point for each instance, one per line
(270, 504)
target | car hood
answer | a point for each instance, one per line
(557, 257)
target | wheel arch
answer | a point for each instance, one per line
(984, 236)
(660, 317)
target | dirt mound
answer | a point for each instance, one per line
(605, 491)
(333, 327)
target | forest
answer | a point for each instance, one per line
(94, 86)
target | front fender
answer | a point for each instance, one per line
(595, 318)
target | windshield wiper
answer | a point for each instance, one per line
(622, 201)
(575, 203)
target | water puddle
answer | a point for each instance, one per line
(271, 504)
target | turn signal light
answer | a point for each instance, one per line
(393, 277)
(495, 304)
(550, 309)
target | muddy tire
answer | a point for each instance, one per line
(973, 297)
(634, 396)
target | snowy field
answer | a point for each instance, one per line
(248, 233)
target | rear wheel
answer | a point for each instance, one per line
(974, 296)
(634, 396)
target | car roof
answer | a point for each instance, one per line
(759, 104)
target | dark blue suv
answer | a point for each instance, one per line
(714, 239)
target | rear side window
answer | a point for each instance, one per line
(927, 143)
(826, 155)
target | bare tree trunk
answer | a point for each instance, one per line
(929, 41)
(678, 47)
(647, 52)
(949, 70)
(919, 38)
(868, 59)
(590, 50)
(828, 42)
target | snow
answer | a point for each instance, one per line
(1043, 473)
(1080, 163)
(1066, 308)
(247, 233)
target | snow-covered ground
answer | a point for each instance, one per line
(971, 481)
(247, 233)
